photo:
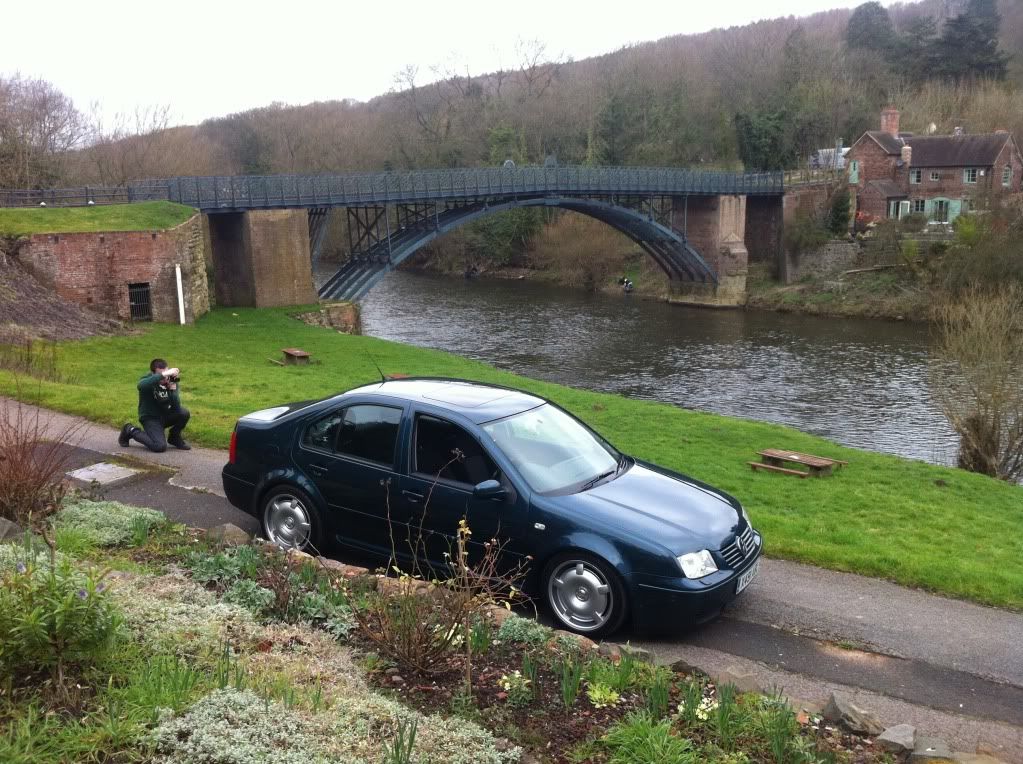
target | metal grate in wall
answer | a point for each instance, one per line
(139, 302)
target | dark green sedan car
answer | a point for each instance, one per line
(607, 537)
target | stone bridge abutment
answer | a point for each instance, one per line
(261, 258)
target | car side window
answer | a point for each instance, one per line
(369, 432)
(323, 432)
(445, 450)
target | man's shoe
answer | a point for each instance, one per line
(180, 444)
(124, 437)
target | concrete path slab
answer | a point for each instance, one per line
(102, 473)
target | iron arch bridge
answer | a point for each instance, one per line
(391, 215)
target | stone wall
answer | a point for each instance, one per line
(832, 259)
(342, 316)
(95, 269)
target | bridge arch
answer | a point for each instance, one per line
(669, 248)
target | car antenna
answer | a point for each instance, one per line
(375, 364)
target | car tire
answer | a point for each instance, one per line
(585, 594)
(290, 519)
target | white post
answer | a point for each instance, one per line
(181, 295)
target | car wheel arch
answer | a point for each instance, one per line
(279, 478)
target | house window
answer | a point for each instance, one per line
(915, 176)
(970, 175)
(919, 205)
(139, 303)
(1007, 176)
(935, 175)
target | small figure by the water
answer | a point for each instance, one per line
(626, 284)
(472, 272)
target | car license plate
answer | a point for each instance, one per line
(747, 578)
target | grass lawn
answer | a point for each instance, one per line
(914, 523)
(144, 216)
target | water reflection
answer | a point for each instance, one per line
(862, 383)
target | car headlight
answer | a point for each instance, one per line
(697, 564)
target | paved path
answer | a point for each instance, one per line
(954, 668)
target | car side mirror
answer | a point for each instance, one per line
(489, 489)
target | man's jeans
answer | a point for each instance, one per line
(151, 435)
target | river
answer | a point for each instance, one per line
(858, 382)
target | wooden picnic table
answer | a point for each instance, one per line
(779, 460)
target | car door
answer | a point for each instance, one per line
(350, 455)
(445, 462)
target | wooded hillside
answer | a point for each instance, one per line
(763, 95)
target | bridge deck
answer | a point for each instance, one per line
(245, 192)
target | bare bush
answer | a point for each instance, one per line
(423, 622)
(977, 378)
(33, 458)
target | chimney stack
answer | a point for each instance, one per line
(890, 121)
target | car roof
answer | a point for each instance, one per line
(475, 401)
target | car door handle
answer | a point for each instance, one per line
(318, 469)
(413, 497)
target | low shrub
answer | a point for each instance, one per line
(107, 523)
(250, 595)
(524, 631)
(236, 727)
(640, 740)
(52, 617)
(230, 726)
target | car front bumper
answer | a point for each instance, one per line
(662, 604)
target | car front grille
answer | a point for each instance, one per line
(744, 545)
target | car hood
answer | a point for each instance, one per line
(677, 513)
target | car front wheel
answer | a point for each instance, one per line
(290, 520)
(585, 594)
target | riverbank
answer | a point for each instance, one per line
(957, 533)
(885, 294)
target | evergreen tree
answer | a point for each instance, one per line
(968, 46)
(870, 28)
(763, 140)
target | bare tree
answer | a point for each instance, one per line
(39, 126)
(977, 378)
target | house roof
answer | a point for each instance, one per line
(888, 189)
(945, 150)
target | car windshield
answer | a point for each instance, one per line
(554, 452)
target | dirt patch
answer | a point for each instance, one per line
(29, 310)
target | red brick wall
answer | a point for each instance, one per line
(94, 269)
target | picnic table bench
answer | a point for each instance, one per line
(778, 460)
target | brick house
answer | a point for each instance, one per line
(893, 174)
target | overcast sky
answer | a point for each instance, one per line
(207, 59)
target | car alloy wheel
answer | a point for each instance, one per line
(289, 520)
(584, 595)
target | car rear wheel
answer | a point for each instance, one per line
(290, 520)
(585, 594)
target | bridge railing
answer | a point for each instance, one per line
(242, 192)
(255, 191)
(83, 196)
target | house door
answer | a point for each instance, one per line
(939, 210)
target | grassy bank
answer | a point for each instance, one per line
(887, 294)
(144, 216)
(910, 522)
